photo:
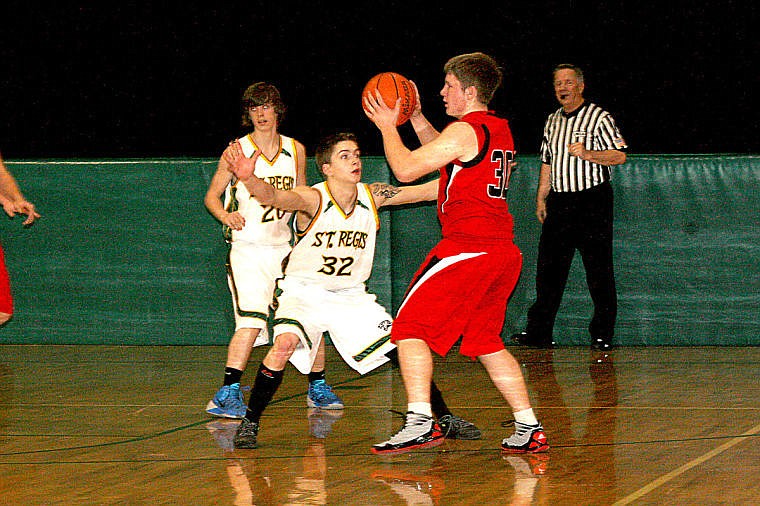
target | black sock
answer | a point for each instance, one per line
(436, 401)
(314, 376)
(393, 356)
(232, 376)
(266, 384)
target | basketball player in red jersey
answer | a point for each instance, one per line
(462, 287)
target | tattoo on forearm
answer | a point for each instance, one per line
(385, 190)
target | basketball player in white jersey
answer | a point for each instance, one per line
(260, 237)
(324, 284)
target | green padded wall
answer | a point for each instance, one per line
(687, 252)
(125, 253)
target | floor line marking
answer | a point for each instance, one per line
(693, 463)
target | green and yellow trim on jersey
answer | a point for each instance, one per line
(280, 150)
(300, 233)
(294, 323)
(240, 311)
(337, 206)
(374, 206)
(371, 348)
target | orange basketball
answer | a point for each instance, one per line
(392, 86)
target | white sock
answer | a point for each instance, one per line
(422, 408)
(525, 416)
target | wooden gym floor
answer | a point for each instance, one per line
(126, 425)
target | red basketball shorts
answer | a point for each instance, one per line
(461, 290)
(6, 299)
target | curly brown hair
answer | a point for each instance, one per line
(259, 94)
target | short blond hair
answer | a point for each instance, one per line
(478, 70)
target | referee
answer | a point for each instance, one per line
(574, 204)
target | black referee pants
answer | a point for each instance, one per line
(575, 221)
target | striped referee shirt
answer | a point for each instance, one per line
(589, 124)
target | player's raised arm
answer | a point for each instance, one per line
(408, 165)
(301, 198)
(389, 195)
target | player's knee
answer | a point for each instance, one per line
(284, 345)
(4, 317)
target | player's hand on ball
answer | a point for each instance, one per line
(393, 90)
(417, 105)
(379, 112)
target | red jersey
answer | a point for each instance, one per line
(472, 195)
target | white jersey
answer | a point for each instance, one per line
(337, 249)
(263, 224)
